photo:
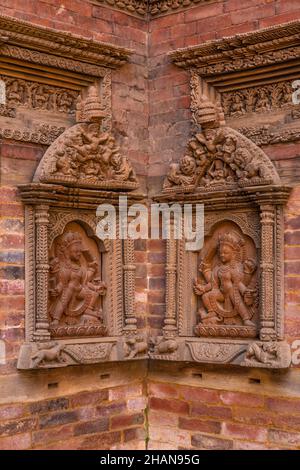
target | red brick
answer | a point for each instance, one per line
(210, 25)
(238, 5)
(220, 412)
(101, 441)
(157, 296)
(199, 394)
(254, 13)
(22, 151)
(11, 241)
(91, 427)
(49, 405)
(17, 442)
(163, 390)
(281, 405)
(157, 270)
(286, 421)
(252, 416)
(133, 434)
(201, 441)
(242, 399)
(292, 238)
(164, 22)
(88, 398)
(8, 428)
(8, 412)
(237, 29)
(287, 5)
(242, 431)
(157, 309)
(168, 405)
(126, 420)
(111, 409)
(278, 19)
(200, 425)
(206, 11)
(284, 438)
(57, 419)
(51, 435)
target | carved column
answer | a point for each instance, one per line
(170, 321)
(129, 284)
(42, 269)
(267, 217)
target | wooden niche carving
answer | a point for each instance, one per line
(225, 301)
(76, 283)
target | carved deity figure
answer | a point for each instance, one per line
(219, 155)
(228, 292)
(183, 173)
(93, 156)
(237, 106)
(64, 102)
(75, 285)
(15, 93)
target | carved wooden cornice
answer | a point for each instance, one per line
(23, 40)
(240, 52)
(222, 58)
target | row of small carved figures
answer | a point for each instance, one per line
(257, 99)
(36, 96)
(136, 346)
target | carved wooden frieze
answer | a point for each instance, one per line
(224, 300)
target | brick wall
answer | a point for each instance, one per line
(90, 407)
(80, 407)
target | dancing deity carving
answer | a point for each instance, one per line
(75, 288)
(228, 288)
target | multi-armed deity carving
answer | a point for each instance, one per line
(75, 289)
(228, 288)
(219, 157)
(86, 156)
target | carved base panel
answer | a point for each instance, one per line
(273, 355)
(63, 353)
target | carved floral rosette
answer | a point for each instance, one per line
(224, 301)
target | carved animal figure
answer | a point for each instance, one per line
(50, 354)
(162, 345)
(264, 353)
(135, 346)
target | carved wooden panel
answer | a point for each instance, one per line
(229, 292)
